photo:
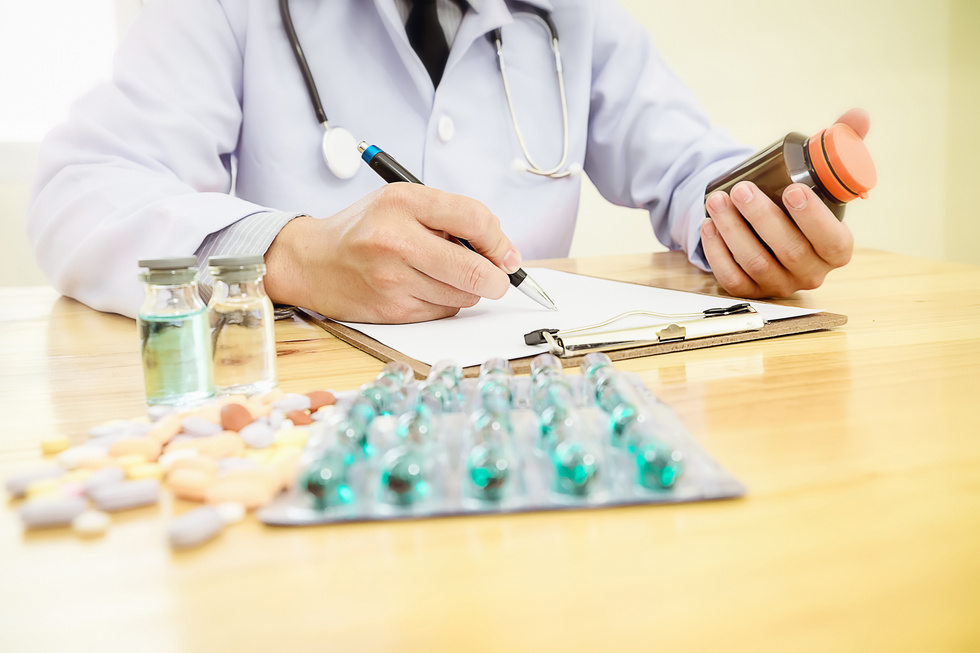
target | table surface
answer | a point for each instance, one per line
(860, 448)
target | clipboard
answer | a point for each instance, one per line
(781, 327)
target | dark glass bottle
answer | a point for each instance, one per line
(834, 163)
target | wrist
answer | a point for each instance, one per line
(287, 261)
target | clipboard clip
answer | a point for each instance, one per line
(667, 327)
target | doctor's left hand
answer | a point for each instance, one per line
(807, 244)
(387, 260)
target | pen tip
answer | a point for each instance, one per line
(362, 146)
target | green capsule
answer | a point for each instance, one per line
(325, 479)
(658, 466)
(403, 480)
(575, 469)
(416, 425)
(353, 429)
(435, 394)
(489, 470)
(380, 395)
(398, 372)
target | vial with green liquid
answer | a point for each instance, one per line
(174, 333)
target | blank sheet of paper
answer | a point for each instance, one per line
(497, 328)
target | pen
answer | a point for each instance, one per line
(392, 171)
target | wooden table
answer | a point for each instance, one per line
(860, 447)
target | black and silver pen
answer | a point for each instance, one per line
(392, 171)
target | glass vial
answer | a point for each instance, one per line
(173, 329)
(243, 337)
(834, 163)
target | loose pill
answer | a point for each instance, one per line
(235, 417)
(42, 487)
(248, 493)
(146, 470)
(17, 484)
(168, 459)
(166, 429)
(231, 512)
(195, 527)
(48, 512)
(223, 445)
(258, 435)
(199, 427)
(146, 448)
(321, 398)
(191, 484)
(55, 444)
(126, 494)
(77, 456)
(299, 418)
(91, 523)
(104, 476)
(294, 437)
(292, 402)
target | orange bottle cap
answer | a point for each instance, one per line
(842, 163)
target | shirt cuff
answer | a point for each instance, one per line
(252, 235)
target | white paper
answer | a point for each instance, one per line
(497, 327)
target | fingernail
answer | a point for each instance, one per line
(742, 193)
(716, 201)
(512, 261)
(795, 198)
(708, 229)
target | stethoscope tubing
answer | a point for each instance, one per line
(496, 39)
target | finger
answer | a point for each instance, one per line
(746, 248)
(433, 291)
(858, 120)
(727, 272)
(829, 238)
(464, 217)
(467, 273)
(787, 242)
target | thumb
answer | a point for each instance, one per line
(858, 120)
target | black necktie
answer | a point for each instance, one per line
(427, 37)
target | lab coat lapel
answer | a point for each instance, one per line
(478, 23)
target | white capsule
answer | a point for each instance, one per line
(46, 512)
(199, 427)
(104, 476)
(126, 494)
(17, 484)
(195, 527)
(74, 457)
(292, 401)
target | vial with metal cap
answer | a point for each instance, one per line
(243, 338)
(173, 330)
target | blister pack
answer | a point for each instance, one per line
(448, 445)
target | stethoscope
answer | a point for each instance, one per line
(340, 148)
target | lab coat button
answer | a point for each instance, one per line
(446, 129)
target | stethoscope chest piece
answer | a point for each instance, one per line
(340, 152)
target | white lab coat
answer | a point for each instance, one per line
(143, 168)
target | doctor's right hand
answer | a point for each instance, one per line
(387, 259)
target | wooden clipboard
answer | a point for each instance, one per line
(788, 326)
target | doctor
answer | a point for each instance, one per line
(206, 141)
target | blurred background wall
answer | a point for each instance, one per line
(761, 68)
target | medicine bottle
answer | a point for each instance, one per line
(174, 337)
(243, 337)
(834, 163)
